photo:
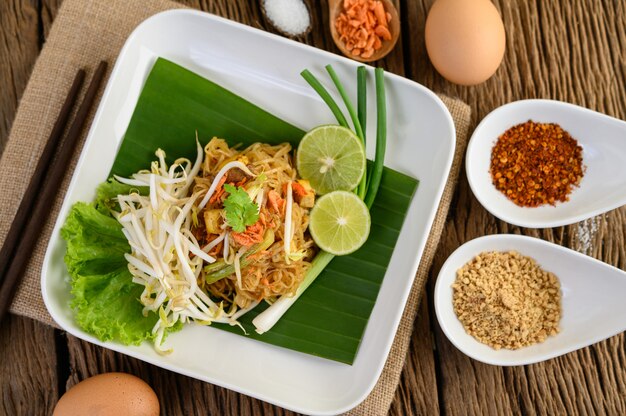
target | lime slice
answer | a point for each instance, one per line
(340, 223)
(331, 158)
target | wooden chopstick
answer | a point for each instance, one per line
(37, 216)
(26, 206)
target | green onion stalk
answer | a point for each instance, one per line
(368, 186)
(381, 139)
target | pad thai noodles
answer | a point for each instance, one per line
(213, 238)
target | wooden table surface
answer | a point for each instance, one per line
(570, 50)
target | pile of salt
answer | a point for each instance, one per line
(289, 16)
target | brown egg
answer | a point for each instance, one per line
(465, 40)
(114, 394)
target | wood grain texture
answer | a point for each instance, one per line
(19, 48)
(570, 50)
(28, 361)
(28, 377)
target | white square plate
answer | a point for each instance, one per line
(265, 69)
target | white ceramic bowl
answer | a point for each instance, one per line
(593, 306)
(265, 69)
(602, 138)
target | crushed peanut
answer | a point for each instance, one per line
(505, 300)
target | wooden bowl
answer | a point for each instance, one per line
(279, 30)
(336, 7)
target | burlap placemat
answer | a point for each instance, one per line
(85, 33)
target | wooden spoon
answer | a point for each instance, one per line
(335, 7)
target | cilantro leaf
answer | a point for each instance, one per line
(240, 210)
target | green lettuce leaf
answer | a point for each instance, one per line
(106, 300)
(109, 190)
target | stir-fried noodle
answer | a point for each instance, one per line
(193, 262)
(270, 272)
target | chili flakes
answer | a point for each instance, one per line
(536, 163)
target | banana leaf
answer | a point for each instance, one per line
(330, 318)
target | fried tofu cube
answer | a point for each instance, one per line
(307, 198)
(213, 221)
